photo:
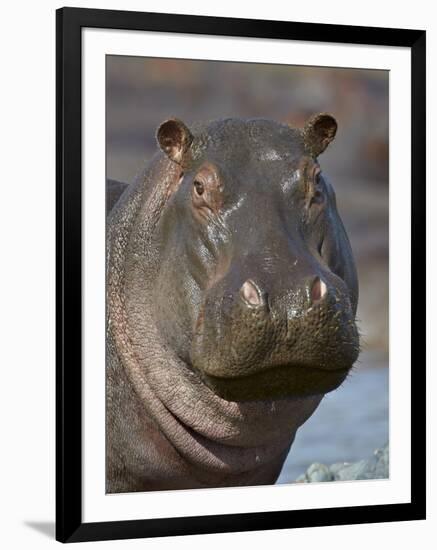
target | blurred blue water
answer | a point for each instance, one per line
(349, 423)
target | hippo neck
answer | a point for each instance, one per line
(215, 434)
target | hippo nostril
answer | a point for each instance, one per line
(318, 290)
(250, 293)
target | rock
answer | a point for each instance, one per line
(358, 470)
(302, 479)
(337, 467)
(375, 467)
(319, 472)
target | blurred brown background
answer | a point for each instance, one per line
(142, 92)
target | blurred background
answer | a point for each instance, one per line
(142, 92)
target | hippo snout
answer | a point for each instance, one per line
(255, 341)
(253, 296)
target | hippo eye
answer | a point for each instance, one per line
(198, 186)
(318, 196)
(206, 191)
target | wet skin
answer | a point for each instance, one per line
(232, 295)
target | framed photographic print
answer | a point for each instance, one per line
(240, 247)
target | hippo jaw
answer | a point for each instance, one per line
(277, 382)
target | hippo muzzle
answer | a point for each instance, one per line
(254, 340)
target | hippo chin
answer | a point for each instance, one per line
(231, 302)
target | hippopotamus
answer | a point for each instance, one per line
(231, 302)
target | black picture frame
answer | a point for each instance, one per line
(69, 24)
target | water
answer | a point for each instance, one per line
(347, 426)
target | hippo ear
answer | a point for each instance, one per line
(174, 138)
(318, 133)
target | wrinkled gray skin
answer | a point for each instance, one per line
(231, 304)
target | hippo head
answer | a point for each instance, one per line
(257, 289)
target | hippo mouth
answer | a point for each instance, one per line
(277, 382)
